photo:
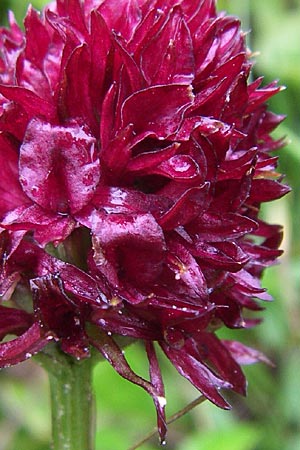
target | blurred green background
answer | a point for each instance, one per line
(269, 418)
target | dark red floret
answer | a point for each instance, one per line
(135, 155)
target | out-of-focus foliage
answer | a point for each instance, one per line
(269, 418)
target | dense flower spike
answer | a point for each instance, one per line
(134, 157)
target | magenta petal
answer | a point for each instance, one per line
(13, 321)
(236, 168)
(108, 117)
(221, 255)
(217, 227)
(136, 80)
(125, 323)
(35, 48)
(263, 190)
(75, 91)
(32, 103)
(33, 78)
(230, 69)
(198, 374)
(24, 346)
(147, 29)
(9, 275)
(82, 287)
(56, 314)
(263, 255)
(199, 13)
(116, 229)
(216, 353)
(133, 242)
(123, 18)
(186, 308)
(16, 31)
(187, 270)
(74, 10)
(117, 153)
(245, 355)
(8, 282)
(187, 207)
(205, 125)
(111, 351)
(179, 167)
(11, 191)
(58, 166)
(99, 46)
(259, 96)
(156, 380)
(247, 283)
(47, 227)
(115, 200)
(168, 57)
(146, 162)
(158, 109)
(67, 31)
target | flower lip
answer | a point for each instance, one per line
(58, 167)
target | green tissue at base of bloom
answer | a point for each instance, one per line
(135, 155)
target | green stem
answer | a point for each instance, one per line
(71, 400)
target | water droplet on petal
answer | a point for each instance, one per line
(34, 189)
(162, 401)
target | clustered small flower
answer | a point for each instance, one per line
(134, 157)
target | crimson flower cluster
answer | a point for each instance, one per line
(134, 157)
